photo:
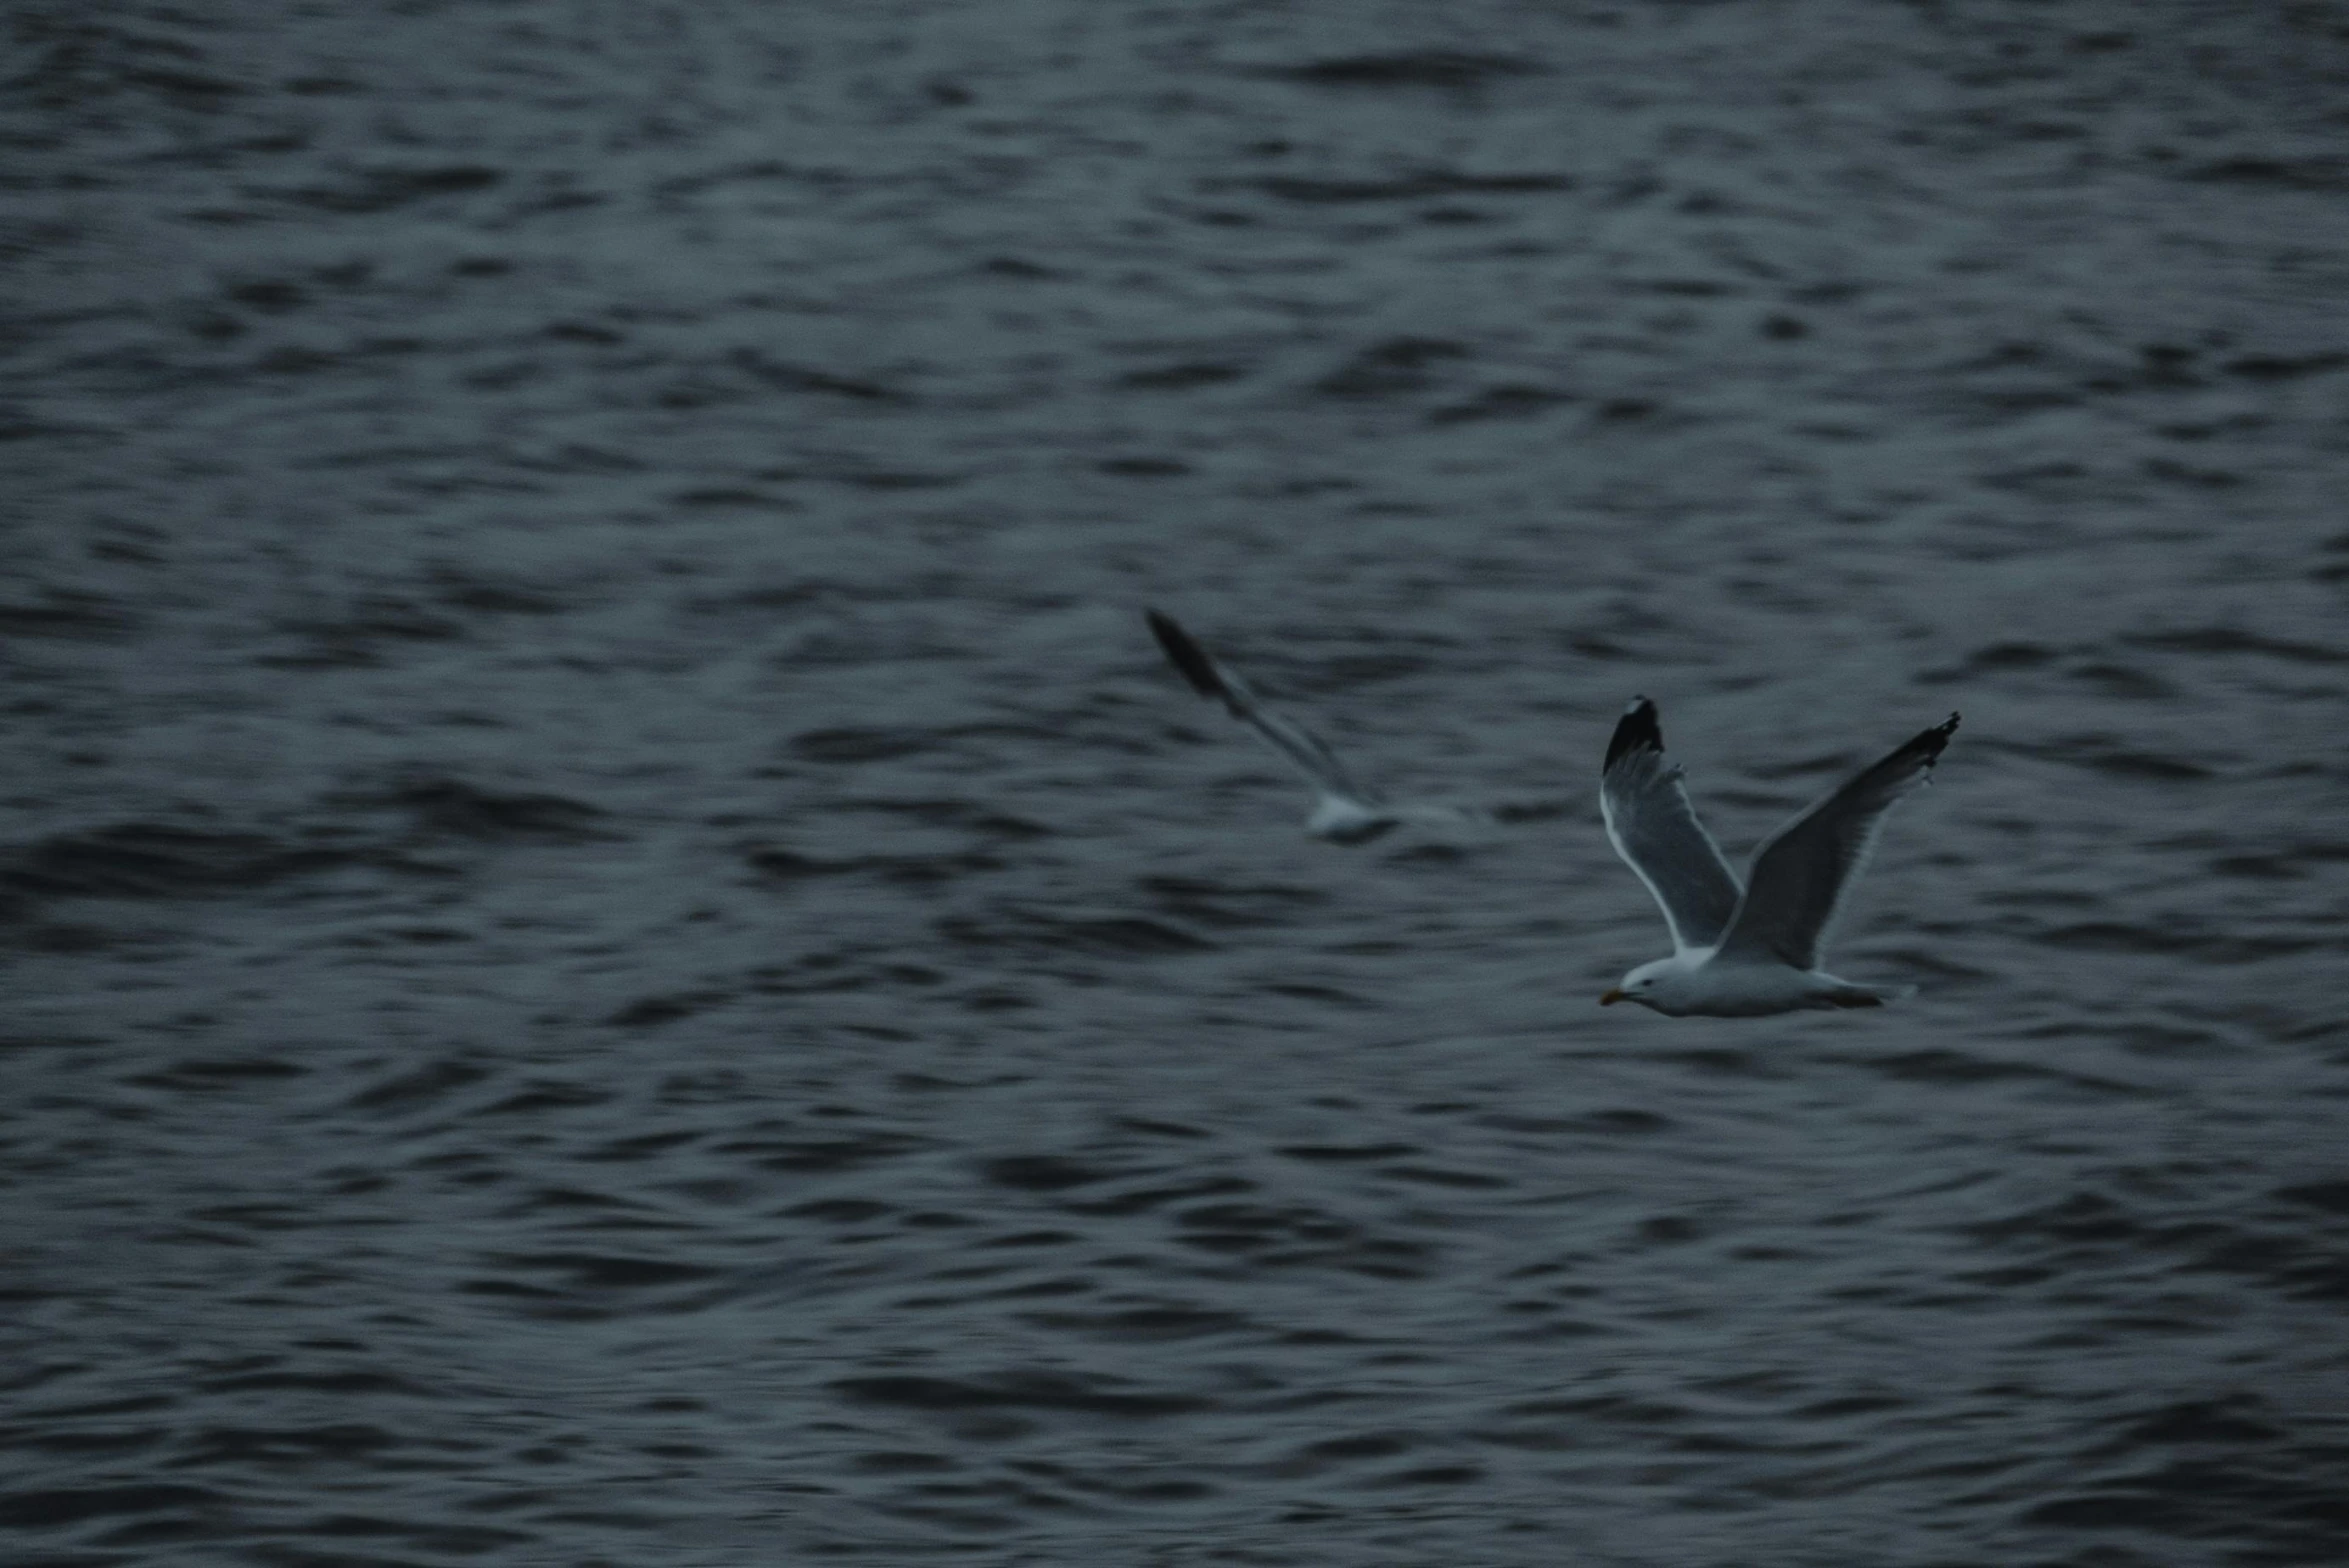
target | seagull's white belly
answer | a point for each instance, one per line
(1749, 990)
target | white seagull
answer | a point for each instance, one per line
(1344, 812)
(1741, 953)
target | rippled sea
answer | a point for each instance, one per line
(618, 948)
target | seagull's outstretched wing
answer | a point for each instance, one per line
(1801, 873)
(1656, 831)
(1323, 771)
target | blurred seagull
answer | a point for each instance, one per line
(1743, 953)
(1344, 812)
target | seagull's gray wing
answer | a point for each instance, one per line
(1656, 831)
(1322, 770)
(1800, 875)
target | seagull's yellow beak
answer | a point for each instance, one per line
(1612, 997)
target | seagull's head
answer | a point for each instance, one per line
(1643, 984)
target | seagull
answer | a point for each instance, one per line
(1344, 812)
(1744, 952)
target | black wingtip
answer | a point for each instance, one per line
(1637, 730)
(1930, 744)
(1185, 655)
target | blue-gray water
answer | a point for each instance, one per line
(619, 950)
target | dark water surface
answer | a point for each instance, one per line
(619, 950)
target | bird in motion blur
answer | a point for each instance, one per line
(1344, 812)
(1743, 952)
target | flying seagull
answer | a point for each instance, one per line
(1741, 953)
(1344, 812)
